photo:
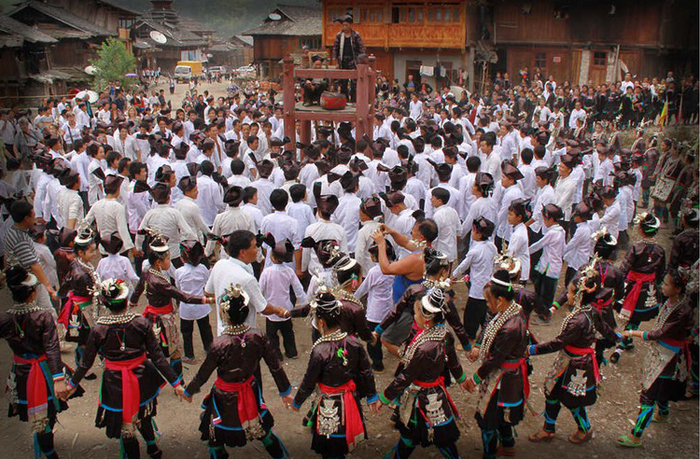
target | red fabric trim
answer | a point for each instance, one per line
(522, 364)
(71, 307)
(638, 278)
(37, 395)
(353, 420)
(131, 394)
(586, 351)
(247, 405)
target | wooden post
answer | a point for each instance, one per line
(289, 101)
(305, 133)
(362, 105)
(371, 84)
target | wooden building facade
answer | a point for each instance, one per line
(288, 29)
(594, 42)
(433, 41)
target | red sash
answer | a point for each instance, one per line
(158, 311)
(353, 420)
(247, 405)
(441, 383)
(131, 394)
(71, 307)
(522, 364)
(638, 278)
(586, 351)
(37, 395)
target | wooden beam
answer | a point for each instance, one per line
(288, 99)
(323, 73)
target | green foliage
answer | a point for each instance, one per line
(112, 63)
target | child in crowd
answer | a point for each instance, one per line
(276, 283)
(298, 209)
(191, 278)
(378, 288)
(479, 264)
(546, 273)
(115, 266)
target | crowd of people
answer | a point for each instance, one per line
(210, 209)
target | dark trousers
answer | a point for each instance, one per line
(375, 352)
(286, 328)
(187, 328)
(545, 287)
(474, 314)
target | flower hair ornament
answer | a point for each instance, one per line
(112, 291)
(324, 302)
(157, 241)
(433, 302)
(504, 260)
(234, 297)
(84, 234)
(587, 273)
(647, 222)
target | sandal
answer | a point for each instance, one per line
(576, 439)
(542, 436)
(627, 442)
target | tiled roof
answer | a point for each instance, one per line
(17, 33)
(296, 21)
(64, 16)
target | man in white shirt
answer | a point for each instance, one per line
(236, 270)
(232, 219)
(323, 229)
(576, 113)
(282, 227)
(110, 214)
(190, 209)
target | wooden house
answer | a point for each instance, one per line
(232, 53)
(287, 29)
(431, 40)
(186, 39)
(24, 54)
(593, 42)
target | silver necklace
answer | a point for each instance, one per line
(335, 336)
(495, 326)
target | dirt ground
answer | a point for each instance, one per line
(613, 414)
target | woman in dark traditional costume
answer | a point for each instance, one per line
(38, 374)
(81, 309)
(132, 378)
(425, 414)
(339, 366)
(234, 410)
(643, 267)
(501, 378)
(667, 364)
(573, 379)
(160, 293)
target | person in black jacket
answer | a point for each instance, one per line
(348, 47)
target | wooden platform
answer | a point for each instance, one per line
(299, 107)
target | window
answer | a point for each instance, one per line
(310, 42)
(339, 12)
(600, 58)
(406, 14)
(442, 12)
(541, 60)
(125, 23)
(372, 14)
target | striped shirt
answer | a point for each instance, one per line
(20, 247)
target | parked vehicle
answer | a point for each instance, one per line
(186, 70)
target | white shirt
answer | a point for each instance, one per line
(509, 195)
(110, 216)
(575, 115)
(282, 227)
(233, 272)
(479, 263)
(448, 224)
(482, 207)
(210, 198)
(465, 187)
(518, 248)
(378, 287)
(115, 266)
(544, 196)
(192, 280)
(319, 231)
(234, 218)
(265, 188)
(564, 191)
(302, 213)
(527, 183)
(611, 219)
(70, 206)
(276, 281)
(192, 213)
(578, 250)
(347, 215)
(552, 246)
(171, 223)
(47, 262)
(255, 213)
(364, 240)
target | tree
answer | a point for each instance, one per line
(112, 63)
